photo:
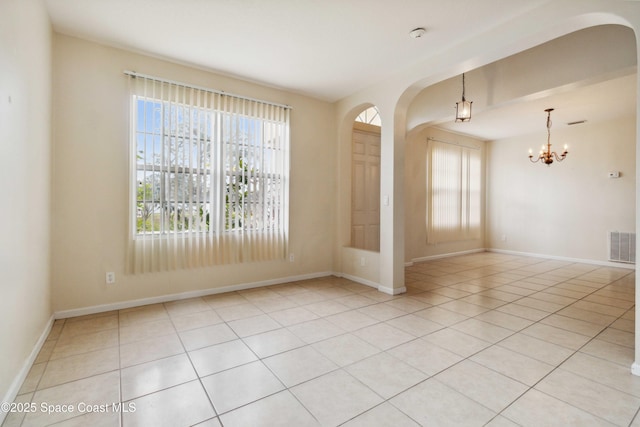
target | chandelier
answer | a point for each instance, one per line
(546, 155)
(463, 108)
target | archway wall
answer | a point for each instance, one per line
(394, 96)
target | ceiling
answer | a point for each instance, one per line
(324, 49)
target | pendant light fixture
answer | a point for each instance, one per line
(547, 156)
(463, 108)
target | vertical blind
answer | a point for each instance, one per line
(453, 192)
(209, 177)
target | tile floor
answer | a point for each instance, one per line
(483, 339)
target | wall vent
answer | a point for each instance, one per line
(622, 247)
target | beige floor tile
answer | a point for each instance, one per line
(315, 330)
(425, 356)
(616, 336)
(188, 306)
(457, 342)
(281, 409)
(614, 406)
(408, 304)
(432, 298)
(224, 300)
(79, 366)
(384, 415)
(483, 330)
(557, 290)
(146, 330)
(603, 372)
(93, 419)
(464, 308)
(55, 331)
(95, 390)
(500, 295)
(293, 316)
(345, 349)
(150, 349)
(483, 385)
(253, 325)
(382, 311)
(508, 321)
(514, 365)
(451, 293)
(211, 360)
(33, 378)
(196, 320)
(531, 302)
(523, 311)
(212, 422)
(356, 301)
(517, 290)
(573, 325)
(414, 325)
(558, 336)
(45, 351)
(536, 409)
(624, 325)
(587, 316)
(501, 421)
(441, 316)
(236, 387)
(351, 320)
(595, 307)
(554, 298)
(94, 324)
(385, 374)
(239, 311)
(257, 294)
(299, 365)
(273, 342)
(15, 418)
(483, 301)
(182, 405)
(147, 313)
(383, 336)
(614, 353)
(335, 397)
(424, 404)
(326, 308)
(308, 297)
(537, 349)
(153, 376)
(278, 303)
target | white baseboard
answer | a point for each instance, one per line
(183, 295)
(15, 386)
(567, 259)
(392, 291)
(447, 255)
(358, 280)
(635, 369)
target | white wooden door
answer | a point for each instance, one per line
(365, 188)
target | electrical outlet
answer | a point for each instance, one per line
(111, 278)
(363, 261)
(291, 258)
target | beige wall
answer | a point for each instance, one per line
(91, 172)
(566, 209)
(416, 247)
(25, 108)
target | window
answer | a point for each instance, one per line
(454, 192)
(210, 173)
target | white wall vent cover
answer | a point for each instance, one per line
(622, 247)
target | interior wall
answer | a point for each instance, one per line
(416, 247)
(90, 180)
(25, 136)
(565, 209)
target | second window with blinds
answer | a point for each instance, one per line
(454, 184)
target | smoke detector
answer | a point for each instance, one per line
(416, 33)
